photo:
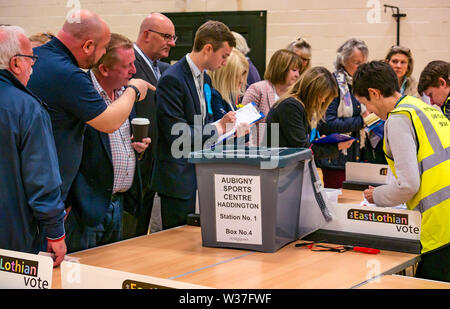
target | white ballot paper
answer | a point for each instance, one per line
(247, 114)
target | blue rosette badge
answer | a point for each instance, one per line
(207, 92)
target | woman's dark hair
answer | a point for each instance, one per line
(375, 74)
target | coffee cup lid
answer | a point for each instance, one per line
(140, 121)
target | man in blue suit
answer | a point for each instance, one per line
(156, 38)
(109, 164)
(183, 109)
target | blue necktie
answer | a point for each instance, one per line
(156, 70)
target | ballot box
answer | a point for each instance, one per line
(257, 198)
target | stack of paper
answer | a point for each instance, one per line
(371, 119)
(375, 124)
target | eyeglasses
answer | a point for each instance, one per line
(165, 36)
(33, 58)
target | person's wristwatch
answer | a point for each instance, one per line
(138, 93)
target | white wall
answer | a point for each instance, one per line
(326, 24)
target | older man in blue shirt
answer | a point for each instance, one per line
(30, 192)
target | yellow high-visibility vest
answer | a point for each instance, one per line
(445, 107)
(432, 130)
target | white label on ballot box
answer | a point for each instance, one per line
(238, 209)
(79, 276)
(20, 270)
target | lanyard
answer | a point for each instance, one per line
(314, 134)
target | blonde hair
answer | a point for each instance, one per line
(279, 65)
(314, 90)
(227, 78)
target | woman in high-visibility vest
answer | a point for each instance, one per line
(417, 148)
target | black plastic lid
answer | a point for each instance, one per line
(267, 158)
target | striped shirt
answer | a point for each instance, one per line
(123, 158)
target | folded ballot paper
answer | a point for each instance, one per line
(333, 138)
(248, 113)
(375, 124)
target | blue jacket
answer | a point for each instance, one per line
(335, 124)
(219, 106)
(147, 109)
(178, 103)
(92, 188)
(30, 183)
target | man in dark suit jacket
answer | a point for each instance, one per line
(109, 164)
(156, 37)
(184, 120)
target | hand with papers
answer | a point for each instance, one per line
(374, 124)
(227, 123)
(343, 141)
(242, 119)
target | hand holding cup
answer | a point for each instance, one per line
(140, 128)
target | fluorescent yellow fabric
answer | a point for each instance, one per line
(433, 198)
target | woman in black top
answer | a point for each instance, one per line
(299, 110)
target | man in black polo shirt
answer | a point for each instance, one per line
(72, 99)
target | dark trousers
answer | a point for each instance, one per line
(133, 226)
(174, 211)
(80, 236)
(333, 178)
(435, 265)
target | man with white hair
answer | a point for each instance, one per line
(30, 193)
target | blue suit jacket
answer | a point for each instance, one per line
(219, 106)
(90, 194)
(177, 105)
(147, 109)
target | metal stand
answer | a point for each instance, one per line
(397, 15)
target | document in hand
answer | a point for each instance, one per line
(375, 124)
(249, 114)
(333, 138)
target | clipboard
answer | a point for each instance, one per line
(248, 113)
(333, 138)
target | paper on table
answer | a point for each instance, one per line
(248, 114)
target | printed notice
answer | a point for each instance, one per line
(238, 209)
(20, 270)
